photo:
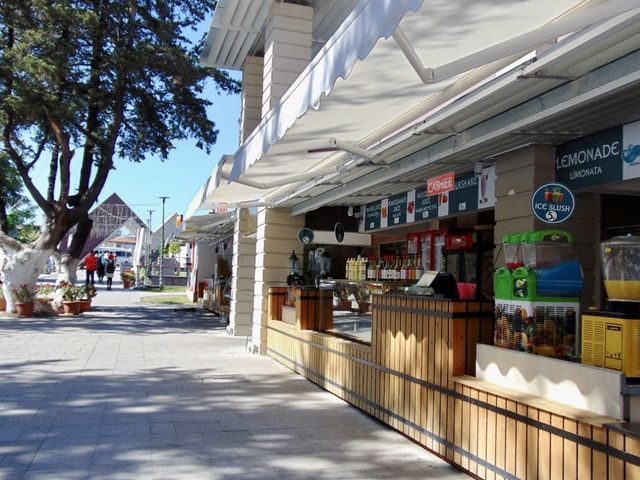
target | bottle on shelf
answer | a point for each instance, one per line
(419, 269)
(362, 268)
(403, 269)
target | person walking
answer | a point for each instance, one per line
(109, 269)
(101, 267)
(90, 265)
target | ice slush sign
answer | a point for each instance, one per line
(553, 203)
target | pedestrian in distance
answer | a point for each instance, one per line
(101, 268)
(90, 266)
(109, 269)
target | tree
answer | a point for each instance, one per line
(16, 211)
(92, 82)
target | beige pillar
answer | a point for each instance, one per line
(276, 238)
(251, 96)
(243, 273)
(519, 174)
(287, 50)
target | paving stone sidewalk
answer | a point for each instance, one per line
(157, 392)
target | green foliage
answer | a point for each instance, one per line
(172, 248)
(16, 211)
(92, 81)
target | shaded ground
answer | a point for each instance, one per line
(133, 391)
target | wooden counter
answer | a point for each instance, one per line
(409, 378)
(308, 308)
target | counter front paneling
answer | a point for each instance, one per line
(409, 378)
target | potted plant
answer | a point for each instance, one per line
(87, 292)
(24, 300)
(128, 279)
(45, 291)
(70, 295)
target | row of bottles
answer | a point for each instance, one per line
(405, 268)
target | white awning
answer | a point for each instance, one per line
(206, 226)
(363, 102)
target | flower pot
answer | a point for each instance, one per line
(3, 304)
(126, 284)
(85, 306)
(24, 309)
(72, 307)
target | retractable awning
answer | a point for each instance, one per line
(201, 227)
(364, 102)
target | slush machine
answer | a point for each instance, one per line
(537, 294)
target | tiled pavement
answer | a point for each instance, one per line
(134, 391)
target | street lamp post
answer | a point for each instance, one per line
(148, 246)
(162, 242)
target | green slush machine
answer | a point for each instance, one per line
(537, 294)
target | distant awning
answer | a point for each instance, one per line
(201, 227)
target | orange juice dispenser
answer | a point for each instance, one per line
(611, 338)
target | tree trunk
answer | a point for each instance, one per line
(22, 268)
(68, 269)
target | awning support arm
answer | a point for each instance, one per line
(520, 44)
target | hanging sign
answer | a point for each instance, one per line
(398, 209)
(372, 215)
(305, 235)
(442, 183)
(470, 192)
(553, 203)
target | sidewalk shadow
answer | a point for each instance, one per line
(168, 422)
(139, 319)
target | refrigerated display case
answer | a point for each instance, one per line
(428, 246)
(468, 256)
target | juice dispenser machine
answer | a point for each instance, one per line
(611, 338)
(537, 294)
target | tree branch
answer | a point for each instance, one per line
(9, 244)
(24, 171)
(66, 154)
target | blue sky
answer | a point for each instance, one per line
(179, 177)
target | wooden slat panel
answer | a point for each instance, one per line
(544, 448)
(482, 434)
(616, 465)
(557, 450)
(473, 429)
(531, 455)
(411, 391)
(632, 445)
(419, 409)
(511, 440)
(570, 452)
(457, 434)
(599, 462)
(466, 427)
(501, 435)
(491, 435)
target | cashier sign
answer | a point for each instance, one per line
(553, 203)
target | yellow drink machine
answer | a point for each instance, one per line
(611, 338)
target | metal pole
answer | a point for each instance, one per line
(162, 241)
(147, 249)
